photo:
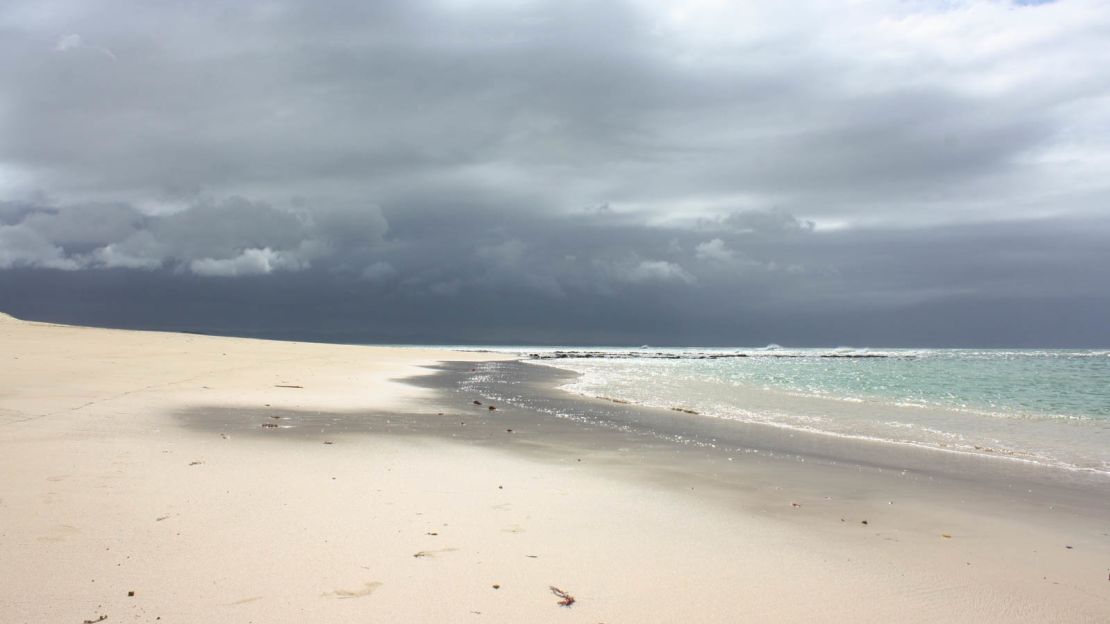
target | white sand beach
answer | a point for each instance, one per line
(112, 509)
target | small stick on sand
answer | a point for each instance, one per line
(567, 599)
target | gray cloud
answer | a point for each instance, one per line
(229, 238)
(752, 160)
(834, 114)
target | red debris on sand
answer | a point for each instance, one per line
(567, 599)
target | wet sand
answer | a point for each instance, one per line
(224, 479)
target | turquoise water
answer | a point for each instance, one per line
(1025, 383)
(1044, 406)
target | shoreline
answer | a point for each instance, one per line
(149, 469)
(1030, 439)
(744, 437)
(1098, 476)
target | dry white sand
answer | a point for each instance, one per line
(104, 492)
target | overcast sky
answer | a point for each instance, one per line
(874, 172)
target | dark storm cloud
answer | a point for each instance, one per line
(684, 168)
(750, 278)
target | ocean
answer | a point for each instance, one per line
(1047, 407)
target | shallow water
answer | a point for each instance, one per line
(1049, 407)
